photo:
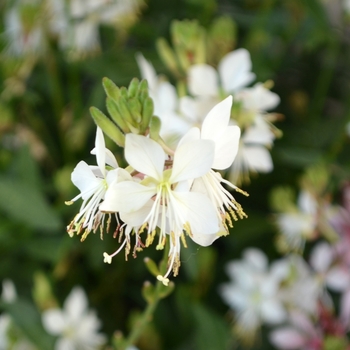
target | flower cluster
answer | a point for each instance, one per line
(75, 24)
(164, 193)
(296, 296)
(205, 87)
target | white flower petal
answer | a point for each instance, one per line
(258, 158)
(307, 203)
(126, 196)
(76, 304)
(147, 71)
(204, 240)
(192, 159)
(100, 151)
(198, 211)
(166, 100)
(235, 297)
(259, 134)
(137, 218)
(226, 148)
(9, 293)
(256, 258)
(202, 80)
(145, 155)
(321, 257)
(54, 321)
(84, 178)
(192, 134)
(287, 338)
(234, 70)
(338, 278)
(217, 120)
(273, 312)
(65, 344)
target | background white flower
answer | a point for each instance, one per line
(76, 326)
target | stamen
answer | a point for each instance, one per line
(108, 258)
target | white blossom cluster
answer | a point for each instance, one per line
(163, 193)
(208, 86)
(293, 296)
(74, 23)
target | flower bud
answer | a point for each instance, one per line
(113, 111)
(107, 126)
(152, 267)
(135, 109)
(111, 89)
(167, 55)
(133, 87)
(148, 292)
(147, 113)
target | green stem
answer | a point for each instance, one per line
(146, 317)
(143, 320)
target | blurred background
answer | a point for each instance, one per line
(53, 56)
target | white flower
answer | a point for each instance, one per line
(165, 101)
(234, 72)
(216, 128)
(164, 193)
(299, 225)
(92, 182)
(259, 133)
(253, 292)
(207, 85)
(75, 325)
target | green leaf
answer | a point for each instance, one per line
(26, 203)
(211, 330)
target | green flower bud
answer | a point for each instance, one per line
(107, 126)
(168, 56)
(135, 109)
(113, 110)
(151, 266)
(133, 87)
(147, 113)
(124, 92)
(148, 292)
(122, 105)
(111, 89)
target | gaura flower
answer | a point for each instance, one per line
(234, 72)
(208, 86)
(92, 182)
(75, 325)
(225, 137)
(259, 132)
(253, 293)
(172, 207)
